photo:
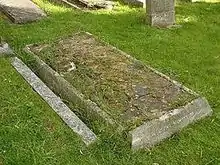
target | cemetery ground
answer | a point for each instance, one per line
(31, 133)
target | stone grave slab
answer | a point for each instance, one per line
(137, 3)
(161, 13)
(21, 11)
(88, 4)
(106, 83)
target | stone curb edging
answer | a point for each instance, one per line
(71, 5)
(152, 132)
(55, 102)
(66, 91)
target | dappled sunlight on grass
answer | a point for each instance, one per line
(189, 54)
(210, 1)
(51, 8)
(118, 9)
(181, 19)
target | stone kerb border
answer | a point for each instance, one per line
(152, 132)
(55, 102)
(144, 136)
(66, 91)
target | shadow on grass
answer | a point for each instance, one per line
(190, 54)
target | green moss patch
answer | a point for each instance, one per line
(125, 88)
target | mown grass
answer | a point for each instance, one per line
(30, 133)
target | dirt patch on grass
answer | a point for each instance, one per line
(125, 88)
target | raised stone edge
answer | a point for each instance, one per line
(136, 3)
(151, 133)
(71, 5)
(58, 78)
(54, 102)
(176, 83)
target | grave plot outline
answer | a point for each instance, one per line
(148, 133)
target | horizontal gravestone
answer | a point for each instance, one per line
(88, 4)
(106, 83)
(161, 13)
(21, 11)
(138, 3)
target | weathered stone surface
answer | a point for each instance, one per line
(5, 49)
(152, 132)
(138, 3)
(161, 13)
(62, 87)
(55, 102)
(88, 4)
(21, 11)
(119, 85)
(118, 88)
(98, 4)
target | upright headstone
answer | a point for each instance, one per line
(161, 13)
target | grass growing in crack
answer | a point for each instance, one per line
(189, 54)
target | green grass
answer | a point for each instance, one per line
(30, 133)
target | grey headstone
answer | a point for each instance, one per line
(21, 11)
(161, 13)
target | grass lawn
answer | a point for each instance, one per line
(31, 133)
